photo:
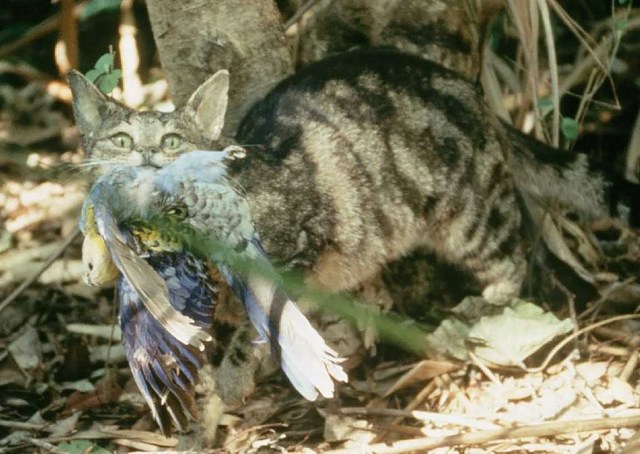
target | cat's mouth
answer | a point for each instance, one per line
(147, 159)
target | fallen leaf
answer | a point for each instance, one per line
(81, 447)
(64, 426)
(616, 390)
(509, 338)
(27, 350)
(592, 372)
(491, 337)
(449, 339)
(344, 428)
(422, 371)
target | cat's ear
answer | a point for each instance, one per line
(208, 104)
(88, 102)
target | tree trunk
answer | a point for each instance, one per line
(195, 39)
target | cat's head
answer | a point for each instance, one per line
(113, 134)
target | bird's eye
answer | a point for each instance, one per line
(122, 140)
(178, 212)
(172, 141)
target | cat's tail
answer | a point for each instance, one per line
(555, 177)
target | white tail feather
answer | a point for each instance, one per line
(309, 363)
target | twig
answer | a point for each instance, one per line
(624, 337)
(417, 400)
(111, 331)
(549, 429)
(553, 70)
(52, 258)
(605, 295)
(406, 430)
(443, 381)
(630, 367)
(568, 339)
(609, 350)
(424, 416)
(38, 31)
(21, 425)
(485, 370)
(298, 14)
(40, 444)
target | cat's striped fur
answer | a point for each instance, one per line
(359, 159)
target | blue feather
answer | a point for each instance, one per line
(164, 368)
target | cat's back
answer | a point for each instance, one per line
(359, 158)
(362, 89)
(392, 125)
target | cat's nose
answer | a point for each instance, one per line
(148, 154)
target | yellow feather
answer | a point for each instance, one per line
(99, 269)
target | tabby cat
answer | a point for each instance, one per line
(359, 159)
(353, 163)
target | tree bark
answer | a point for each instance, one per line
(197, 38)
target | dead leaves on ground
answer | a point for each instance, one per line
(502, 373)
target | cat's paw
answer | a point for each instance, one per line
(236, 375)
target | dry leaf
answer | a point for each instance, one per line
(27, 350)
(424, 370)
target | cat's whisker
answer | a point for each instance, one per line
(68, 171)
(235, 184)
(91, 163)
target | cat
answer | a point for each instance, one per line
(445, 31)
(358, 160)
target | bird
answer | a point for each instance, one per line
(99, 269)
(164, 329)
(197, 189)
(167, 292)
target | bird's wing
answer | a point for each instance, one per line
(164, 368)
(148, 284)
(219, 212)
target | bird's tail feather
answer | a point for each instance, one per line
(309, 363)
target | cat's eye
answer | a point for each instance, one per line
(122, 140)
(172, 141)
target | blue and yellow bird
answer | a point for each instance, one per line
(166, 299)
(167, 291)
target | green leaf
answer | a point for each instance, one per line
(104, 63)
(117, 74)
(93, 75)
(81, 447)
(98, 6)
(621, 24)
(545, 105)
(569, 128)
(107, 83)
